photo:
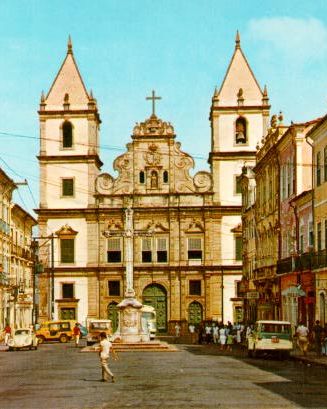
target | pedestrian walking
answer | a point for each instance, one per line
(318, 332)
(302, 333)
(77, 334)
(105, 349)
(7, 332)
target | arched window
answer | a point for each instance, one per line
(142, 177)
(165, 177)
(67, 135)
(154, 180)
(240, 131)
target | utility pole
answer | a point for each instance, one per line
(52, 276)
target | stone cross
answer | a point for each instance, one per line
(153, 98)
(129, 233)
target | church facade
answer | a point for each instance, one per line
(187, 241)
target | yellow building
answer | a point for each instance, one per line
(318, 135)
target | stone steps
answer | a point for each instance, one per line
(153, 346)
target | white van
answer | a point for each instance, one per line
(271, 336)
(149, 320)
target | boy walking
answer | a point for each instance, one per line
(105, 348)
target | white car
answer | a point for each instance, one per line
(271, 336)
(23, 338)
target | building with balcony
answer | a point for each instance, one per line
(318, 136)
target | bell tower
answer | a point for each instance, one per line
(239, 116)
(69, 140)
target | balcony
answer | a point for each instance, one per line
(305, 261)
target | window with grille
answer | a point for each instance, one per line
(68, 187)
(67, 250)
(194, 248)
(67, 290)
(114, 250)
(238, 248)
(114, 288)
(162, 255)
(319, 237)
(146, 250)
(310, 234)
(195, 287)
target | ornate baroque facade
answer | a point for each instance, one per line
(187, 243)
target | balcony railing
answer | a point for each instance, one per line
(305, 261)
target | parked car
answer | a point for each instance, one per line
(94, 329)
(23, 338)
(271, 336)
(61, 331)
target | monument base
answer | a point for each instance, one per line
(130, 328)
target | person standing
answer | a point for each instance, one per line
(77, 334)
(215, 334)
(177, 330)
(302, 333)
(7, 332)
(318, 332)
(105, 348)
(222, 337)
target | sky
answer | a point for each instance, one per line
(179, 48)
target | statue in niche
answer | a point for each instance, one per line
(154, 180)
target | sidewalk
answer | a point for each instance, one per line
(310, 358)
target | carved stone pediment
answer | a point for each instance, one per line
(114, 225)
(66, 230)
(195, 227)
(153, 126)
(157, 227)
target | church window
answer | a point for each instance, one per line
(67, 250)
(318, 169)
(146, 250)
(240, 134)
(114, 250)
(68, 187)
(162, 256)
(142, 177)
(165, 177)
(114, 288)
(154, 180)
(67, 135)
(238, 186)
(67, 290)
(195, 287)
(194, 248)
(238, 248)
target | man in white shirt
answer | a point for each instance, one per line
(302, 333)
(105, 348)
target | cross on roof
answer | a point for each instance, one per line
(153, 98)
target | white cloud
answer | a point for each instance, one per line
(295, 38)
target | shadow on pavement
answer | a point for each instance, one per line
(305, 383)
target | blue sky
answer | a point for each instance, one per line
(124, 49)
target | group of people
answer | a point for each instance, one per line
(226, 335)
(318, 336)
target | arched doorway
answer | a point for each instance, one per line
(113, 315)
(156, 296)
(194, 313)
